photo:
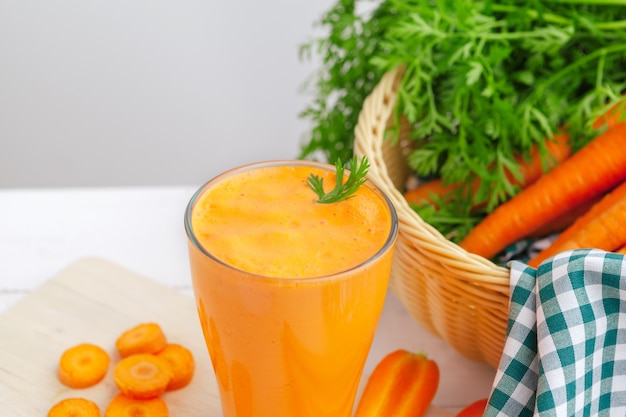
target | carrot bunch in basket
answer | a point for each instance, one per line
(580, 194)
(598, 168)
(530, 170)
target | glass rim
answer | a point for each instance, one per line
(387, 245)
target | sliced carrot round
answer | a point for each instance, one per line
(74, 407)
(83, 365)
(142, 376)
(143, 338)
(181, 360)
(122, 406)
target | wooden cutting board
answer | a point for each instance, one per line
(94, 301)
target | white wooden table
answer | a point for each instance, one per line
(42, 231)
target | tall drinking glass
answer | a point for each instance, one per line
(289, 291)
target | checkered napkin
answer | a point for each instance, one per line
(565, 348)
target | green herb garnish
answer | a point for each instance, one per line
(342, 191)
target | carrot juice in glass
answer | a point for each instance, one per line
(289, 290)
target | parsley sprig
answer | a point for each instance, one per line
(343, 190)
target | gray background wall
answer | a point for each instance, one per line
(149, 92)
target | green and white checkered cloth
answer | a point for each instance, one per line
(565, 348)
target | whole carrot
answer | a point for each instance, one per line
(593, 170)
(530, 170)
(602, 227)
(593, 211)
(566, 220)
(403, 384)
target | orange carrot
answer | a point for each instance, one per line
(611, 117)
(74, 407)
(599, 206)
(530, 170)
(403, 384)
(182, 363)
(601, 228)
(142, 376)
(566, 220)
(475, 409)
(143, 338)
(83, 365)
(122, 406)
(593, 170)
(424, 193)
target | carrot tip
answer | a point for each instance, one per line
(402, 384)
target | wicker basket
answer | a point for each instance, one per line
(460, 297)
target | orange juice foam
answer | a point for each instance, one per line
(267, 222)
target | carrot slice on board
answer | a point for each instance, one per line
(83, 365)
(143, 338)
(74, 407)
(122, 406)
(181, 360)
(142, 376)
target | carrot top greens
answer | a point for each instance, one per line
(342, 190)
(483, 81)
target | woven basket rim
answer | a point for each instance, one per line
(459, 296)
(385, 94)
